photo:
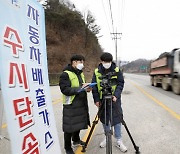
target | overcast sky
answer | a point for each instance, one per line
(148, 27)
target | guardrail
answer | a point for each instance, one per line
(54, 79)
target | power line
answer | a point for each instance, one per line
(107, 19)
(106, 16)
(122, 8)
(111, 15)
(115, 34)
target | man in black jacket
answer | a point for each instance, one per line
(107, 66)
(75, 104)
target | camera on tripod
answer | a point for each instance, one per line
(107, 83)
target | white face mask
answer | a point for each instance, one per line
(106, 65)
(80, 66)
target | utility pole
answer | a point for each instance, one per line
(115, 38)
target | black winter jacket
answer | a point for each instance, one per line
(75, 115)
(117, 113)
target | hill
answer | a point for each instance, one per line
(137, 66)
(68, 34)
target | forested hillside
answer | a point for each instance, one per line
(66, 34)
(137, 66)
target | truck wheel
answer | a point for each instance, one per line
(152, 81)
(176, 86)
(165, 84)
(155, 82)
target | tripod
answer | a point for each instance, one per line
(108, 98)
(108, 133)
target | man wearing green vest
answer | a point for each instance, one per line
(75, 104)
(106, 67)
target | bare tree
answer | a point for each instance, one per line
(91, 25)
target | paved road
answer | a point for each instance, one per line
(152, 116)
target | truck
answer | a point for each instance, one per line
(165, 71)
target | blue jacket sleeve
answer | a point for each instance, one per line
(95, 90)
(120, 85)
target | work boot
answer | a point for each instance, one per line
(121, 146)
(69, 151)
(103, 143)
(78, 143)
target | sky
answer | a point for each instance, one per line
(148, 27)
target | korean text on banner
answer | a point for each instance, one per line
(24, 78)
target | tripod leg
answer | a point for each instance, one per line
(109, 142)
(109, 131)
(90, 134)
(92, 128)
(124, 123)
(135, 146)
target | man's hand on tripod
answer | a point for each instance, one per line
(114, 98)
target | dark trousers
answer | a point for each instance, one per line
(67, 139)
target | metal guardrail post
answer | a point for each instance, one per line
(54, 78)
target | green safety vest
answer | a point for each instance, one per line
(74, 83)
(99, 81)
